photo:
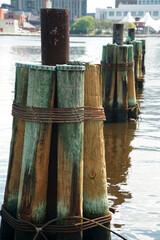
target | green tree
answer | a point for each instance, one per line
(103, 24)
(128, 25)
(82, 25)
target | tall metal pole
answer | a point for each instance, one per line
(55, 36)
(118, 30)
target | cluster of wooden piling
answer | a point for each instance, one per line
(122, 72)
(27, 194)
(57, 157)
(55, 170)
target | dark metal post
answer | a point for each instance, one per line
(118, 34)
(131, 33)
(55, 36)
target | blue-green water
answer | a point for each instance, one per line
(132, 149)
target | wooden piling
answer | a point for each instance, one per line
(95, 202)
(15, 157)
(131, 34)
(55, 36)
(118, 31)
(137, 47)
(109, 78)
(34, 174)
(70, 91)
(122, 81)
(143, 54)
(132, 112)
(103, 73)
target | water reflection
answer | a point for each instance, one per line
(77, 52)
(118, 138)
(22, 50)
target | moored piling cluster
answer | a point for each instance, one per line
(122, 73)
(56, 182)
(81, 178)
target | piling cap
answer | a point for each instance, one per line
(37, 66)
(70, 67)
(78, 63)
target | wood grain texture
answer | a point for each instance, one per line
(109, 79)
(131, 87)
(70, 89)
(16, 151)
(122, 84)
(95, 201)
(34, 174)
(95, 191)
(131, 80)
(137, 48)
(143, 54)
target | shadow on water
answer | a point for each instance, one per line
(118, 138)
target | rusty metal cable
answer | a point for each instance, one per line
(140, 79)
(49, 227)
(118, 66)
(58, 115)
(107, 108)
(138, 57)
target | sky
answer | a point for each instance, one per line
(91, 4)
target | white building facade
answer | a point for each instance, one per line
(148, 2)
(137, 11)
(9, 26)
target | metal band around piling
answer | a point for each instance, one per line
(35, 66)
(118, 66)
(70, 67)
(58, 115)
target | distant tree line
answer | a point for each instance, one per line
(88, 24)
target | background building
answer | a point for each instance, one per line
(138, 2)
(77, 8)
(33, 6)
(9, 26)
(148, 2)
(137, 11)
(129, 2)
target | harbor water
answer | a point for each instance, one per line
(132, 149)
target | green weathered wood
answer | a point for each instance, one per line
(15, 157)
(32, 197)
(103, 73)
(95, 199)
(137, 48)
(118, 32)
(122, 82)
(131, 86)
(70, 92)
(110, 81)
(131, 34)
(143, 54)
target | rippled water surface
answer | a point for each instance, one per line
(132, 149)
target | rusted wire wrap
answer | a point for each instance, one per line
(138, 57)
(49, 227)
(58, 115)
(140, 79)
(123, 109)
(118, 66)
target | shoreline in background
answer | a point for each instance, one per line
(77, 35)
